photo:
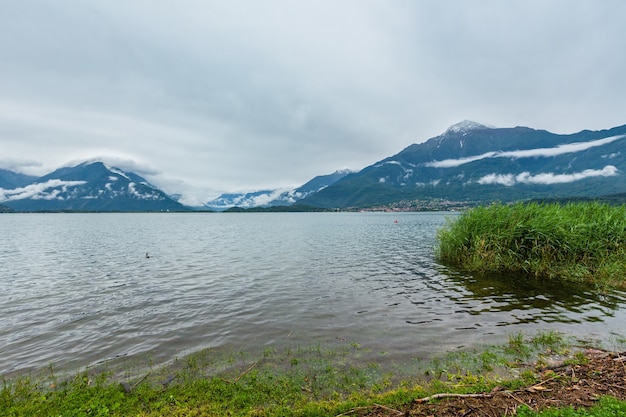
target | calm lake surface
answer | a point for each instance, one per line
(78, 289)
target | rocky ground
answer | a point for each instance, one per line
(562, 385)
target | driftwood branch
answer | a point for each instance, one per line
(354, 410)
(450, 395)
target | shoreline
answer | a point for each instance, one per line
(311, 377)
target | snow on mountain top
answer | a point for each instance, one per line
(117, 171)
(344, 171)
(465, 126)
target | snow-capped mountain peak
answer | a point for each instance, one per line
(464, 127)
(89, 186)
(276, 197)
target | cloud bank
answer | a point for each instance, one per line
(48, 190)
(546, 178)
(528, 153)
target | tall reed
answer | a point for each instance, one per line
(576, 241)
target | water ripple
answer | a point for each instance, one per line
(77, 289)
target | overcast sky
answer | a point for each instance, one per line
(203, 97)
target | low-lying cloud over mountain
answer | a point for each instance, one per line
(547, 178)
(528, 153)
(470, 161)
(277, 197)
(90, 186)
(48, 190)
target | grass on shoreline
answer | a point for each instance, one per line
(584, 242)
(293, 382)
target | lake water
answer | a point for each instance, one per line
(78, 289)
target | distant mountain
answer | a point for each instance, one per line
(474, 162)
(10, 179)
(469, 163)
(5, 209)
(261, 198)
(277, 197)
(90, 186)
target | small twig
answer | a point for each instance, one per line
(241, 375)
(450, 395)
(510, 394)
(388, 408)
(548, 380)
(141, 380)
(354, 410)
(622, 360)
(128, 388)
(246, 371)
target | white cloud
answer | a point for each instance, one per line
(264, 199)
(560, 149)
(611, 155)
(501, 179)
(39, 191)
(451, 163)
(546, 178)
(227, 96)
(389, 163)
(527, 153)
(551, 178)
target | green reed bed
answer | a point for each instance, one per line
(583, 242)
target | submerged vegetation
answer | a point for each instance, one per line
(584, 242)
(294, 381)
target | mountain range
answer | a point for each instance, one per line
(474, 162)
(277, 197)
(468, 163)
(90, 186)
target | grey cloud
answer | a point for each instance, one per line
(20, 165)
(224, 96)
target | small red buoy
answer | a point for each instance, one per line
(395, 221)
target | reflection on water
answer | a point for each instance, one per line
(533, 300)
(77, 289)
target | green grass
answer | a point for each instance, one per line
(606, 407)
(294, 381)
(583, 242)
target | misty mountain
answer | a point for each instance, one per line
(90, 186)
(473, 162)
(5, 209)
(10, 179)
(468, 163)
(276, 197)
